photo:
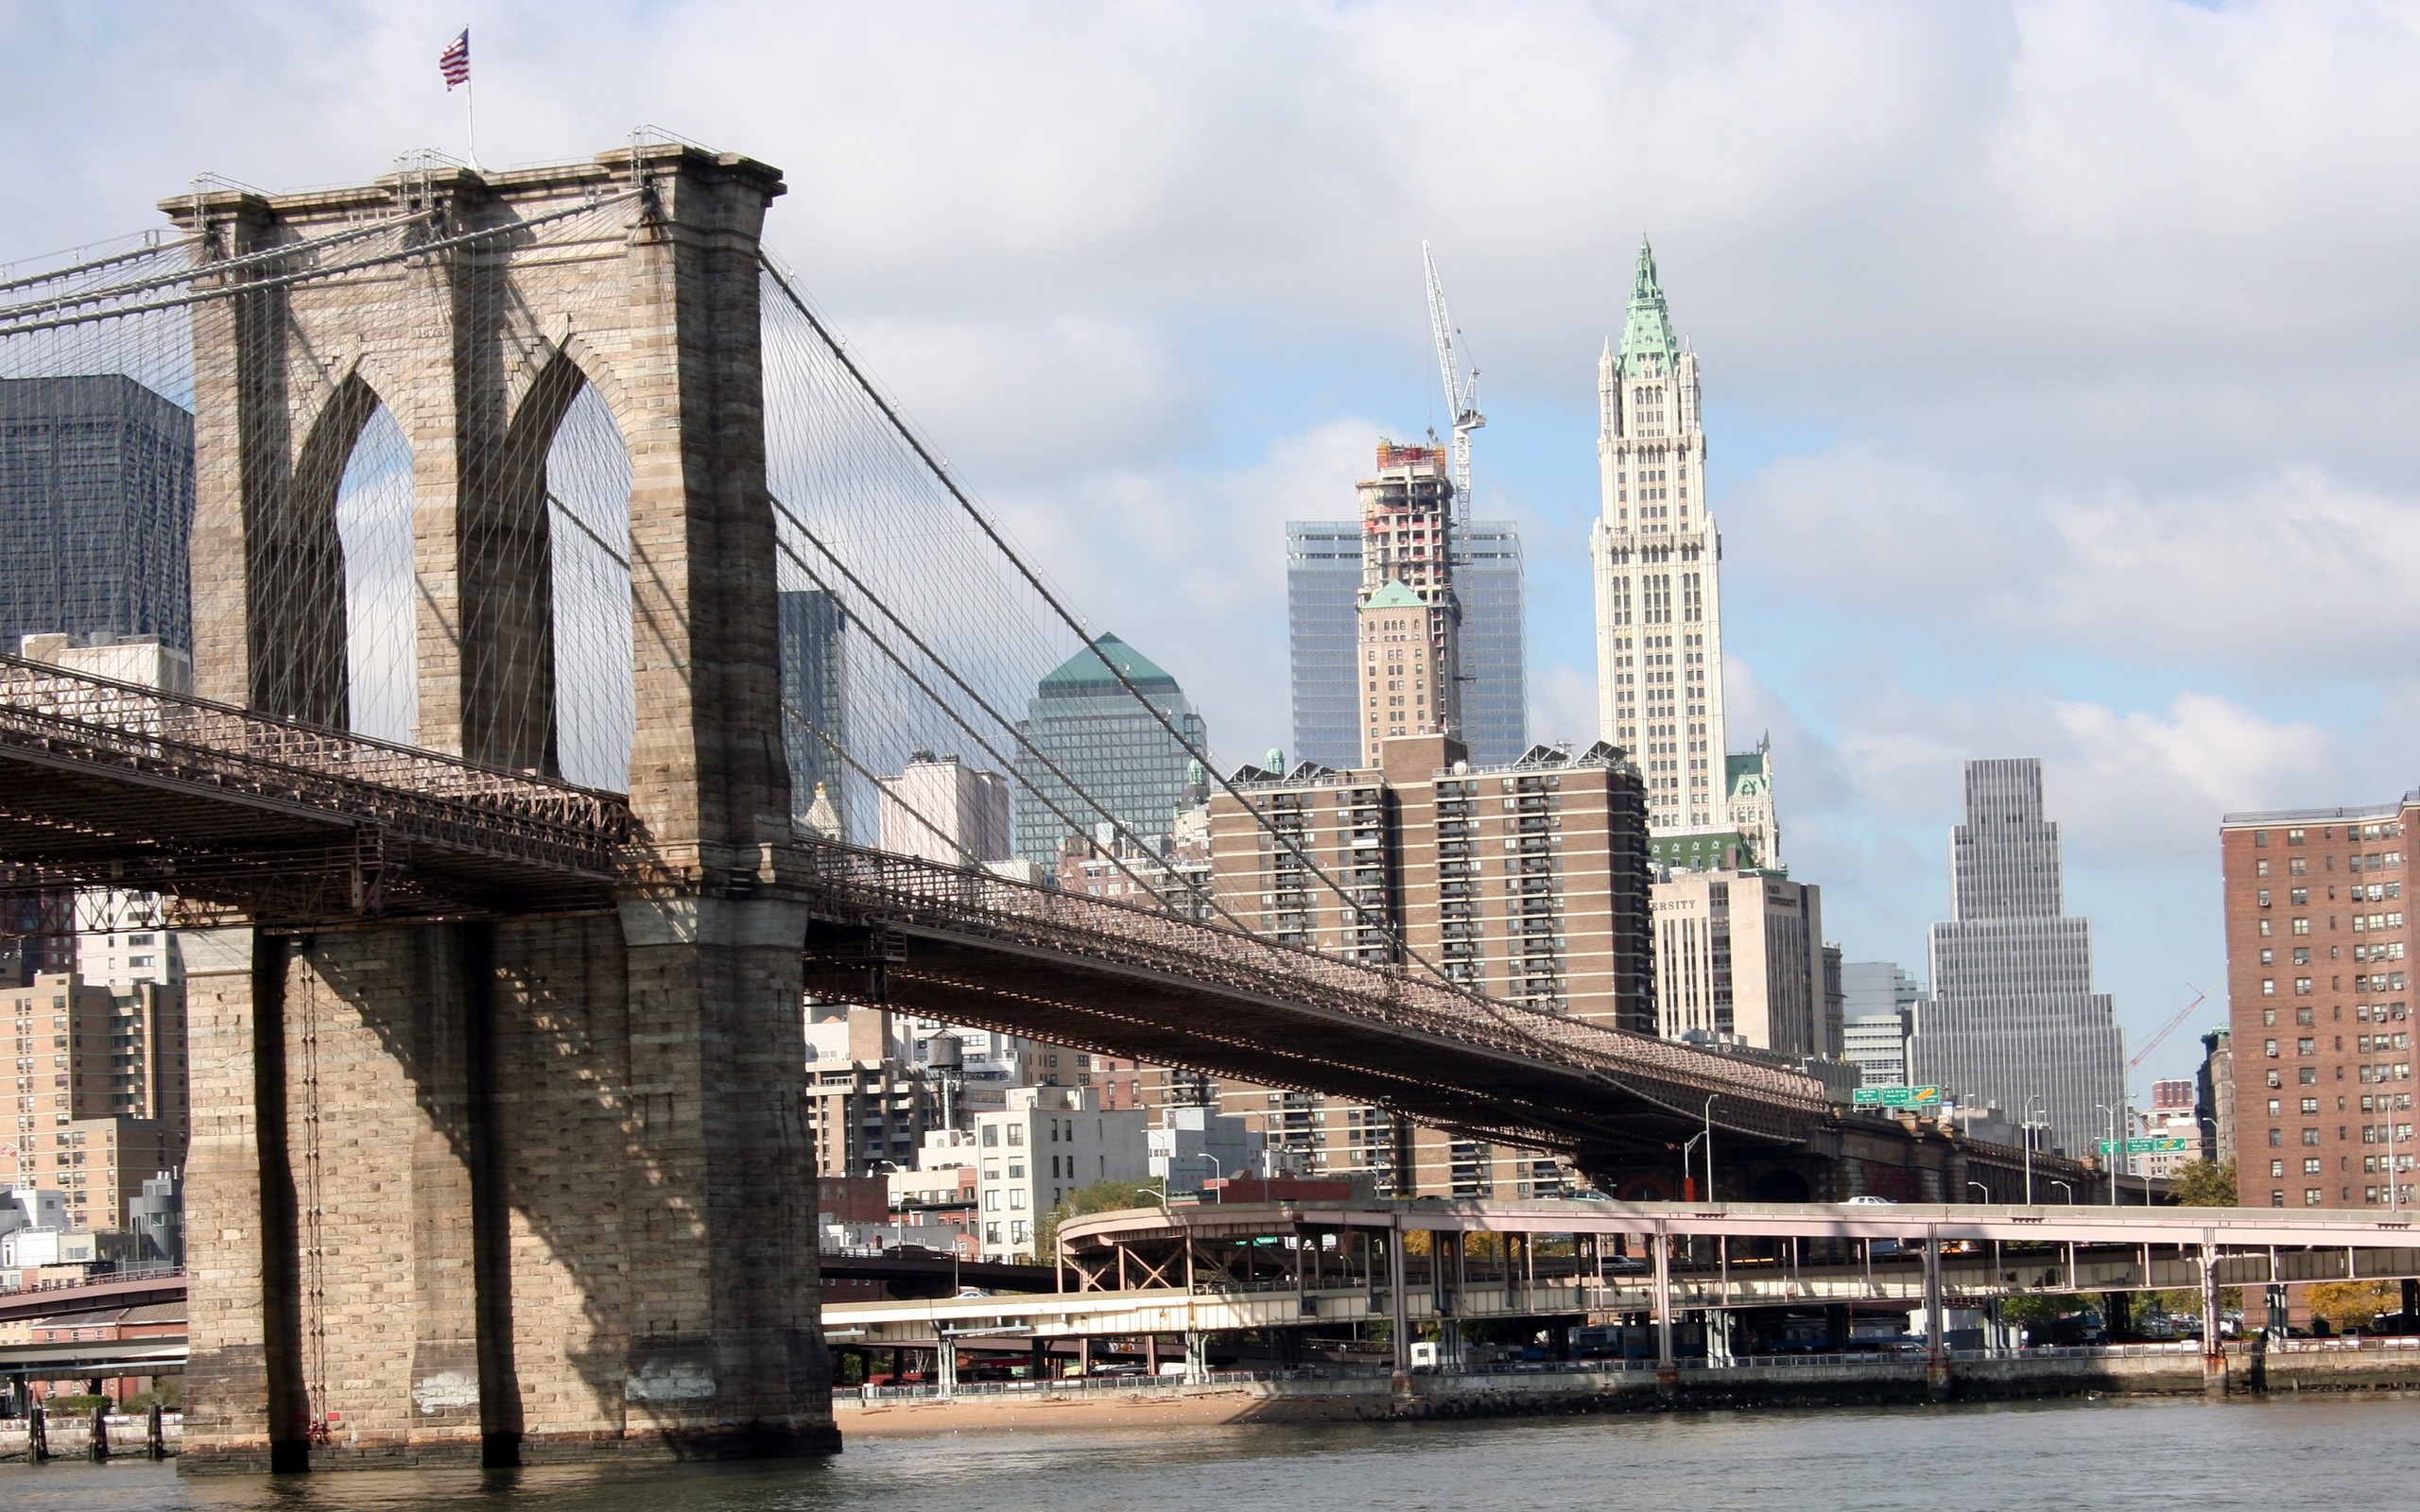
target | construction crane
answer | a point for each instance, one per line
(1462, 388)
(2167, 1029)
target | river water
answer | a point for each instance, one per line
(2069, 1456)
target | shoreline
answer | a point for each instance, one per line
(2247, 1376)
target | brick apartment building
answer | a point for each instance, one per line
(99, 1097)
(2318, 959)
(1528, 882)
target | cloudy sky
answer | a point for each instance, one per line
(2059, 359)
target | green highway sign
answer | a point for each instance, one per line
(1898, 1096)
(2161, 1144)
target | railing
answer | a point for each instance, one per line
(1766, 1100)
(103, 1279)
(2351, 1346)
(1899, 1358)
(176, 740)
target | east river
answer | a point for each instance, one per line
(2334, 1453)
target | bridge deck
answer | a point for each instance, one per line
(132, 787)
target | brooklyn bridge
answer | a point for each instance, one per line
(480, 819)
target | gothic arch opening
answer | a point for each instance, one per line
(585, 485)
(373, 509)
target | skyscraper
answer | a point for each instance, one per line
(95, 509)
(1083, 722)
(1495, 692)
(1323, 590)
(1410, 622)
(1322, 585)
(2012, 1019)
(814, 698)
(1657, 556)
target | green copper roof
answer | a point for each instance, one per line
(1394, 596)
(1083, 675)
(1749, 773)
(1649, 333)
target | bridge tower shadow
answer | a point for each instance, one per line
(508, 1186)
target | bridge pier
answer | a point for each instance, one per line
(476, 1193)
(534, 1185)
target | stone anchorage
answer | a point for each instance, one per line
(507, 1189)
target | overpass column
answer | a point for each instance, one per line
(1401, 1319)
(1667, 1371)
(1937, 1347)
(2214, 1349)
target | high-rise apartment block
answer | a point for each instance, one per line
(2012, 1019)
(95, 509)
(1526, 881)
(1322, 596)
(99, 1085)
(2319, 945)
(1740, 956)
(1409, 616)
(868, 1106)
(939, 809)
(1657, 556)
(1083, 727)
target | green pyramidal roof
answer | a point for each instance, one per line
(1083, 672)
(1649, 333)
(1394, 596)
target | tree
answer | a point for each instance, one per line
(2352, 1304)
(1101, 1197)
(2205, 1184)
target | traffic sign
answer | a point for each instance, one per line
(2158, 1145)
(1897, 1096)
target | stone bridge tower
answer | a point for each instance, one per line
(506, 1185)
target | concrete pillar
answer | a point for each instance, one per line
(945, 1365)
(1936, 1324)
(1401, 1302)
(1197, 1357)
(2214, 1349)
(1667, 1367)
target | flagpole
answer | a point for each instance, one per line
(470, 127)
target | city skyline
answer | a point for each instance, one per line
(1989, 478)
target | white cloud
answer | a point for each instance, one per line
(2061, 353)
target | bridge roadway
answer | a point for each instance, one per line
(301, 828)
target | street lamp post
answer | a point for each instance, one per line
(1688, 1177)
(2063, 1187)
(1984, 1189)
(1219, 1166)
(2109, 1150)
(2030, 1098)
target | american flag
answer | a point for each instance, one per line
(454, 62)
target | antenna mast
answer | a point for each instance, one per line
(1461, 388)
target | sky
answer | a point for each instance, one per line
(2059, 359)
